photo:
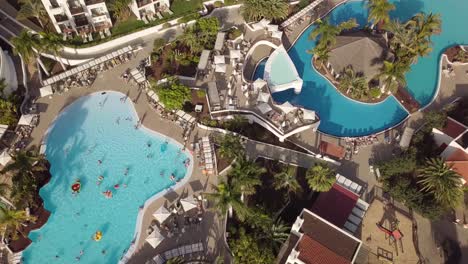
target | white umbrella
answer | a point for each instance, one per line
(308, 114)
(263, 97)
(161, 214)
(220, 68)
(4, 158)
(155, 238)
(234, 54)
(46, 90)
(286, 107)
(26, 120)
(219, 59)
(264, 108)
(258, 84)
(189, 203)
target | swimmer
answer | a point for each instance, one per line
(117, 121)
(126, 171)
(99, 162)
(57, 257)
(103, 252)
(81, 252)
(148, 144)
(149, 156)
(116, 186)
(161, 173)
(124, 185)
(172, 177)
(78, 258)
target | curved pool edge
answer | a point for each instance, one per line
(150, 200)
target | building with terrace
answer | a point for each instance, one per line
(315, 240)
(150, 9)
(81, 17)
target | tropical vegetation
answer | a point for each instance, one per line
(254, 10)
(355, 85)
(33, 9)
(230, 146)
(8, 114)
(379, 11)
(12, 221)
(172, 94)
(226, 199)
(52, 42)
(286, 180)
(327, 33)
(120, 9)
(320, 177)
(26, 44)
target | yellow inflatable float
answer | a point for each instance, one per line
(97, 236)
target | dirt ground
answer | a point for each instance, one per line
(381, 244)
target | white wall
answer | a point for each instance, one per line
(8, 72)
(440, 137)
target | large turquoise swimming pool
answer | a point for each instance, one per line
(96, 136)
(341, 116)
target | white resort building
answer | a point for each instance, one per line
(8, 73)
(150, 9)
(79, 16)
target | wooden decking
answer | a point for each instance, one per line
(407, 100)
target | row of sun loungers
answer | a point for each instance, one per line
(176, 252)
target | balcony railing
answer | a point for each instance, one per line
(93, 2)
(141, 3)
(61, 18)
(101, 26)
(81, 21)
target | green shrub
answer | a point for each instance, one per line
(201, 93)
(158, 44)
(374, 92)
(218, 4)
(234, 33)
(188, 18)
(173, 94)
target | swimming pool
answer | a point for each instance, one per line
(96, 136)
(341, 116)
(284, 75)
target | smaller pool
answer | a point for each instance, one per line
(280, 72)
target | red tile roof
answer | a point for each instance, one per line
(459, 162)
(312, 252)
(335, 205)
(330, 149)
(453, 128)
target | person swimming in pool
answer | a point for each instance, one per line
(149, 144)
(161, 173)
(172, 177)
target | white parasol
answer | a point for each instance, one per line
(161, 214)
(155, 238)
(189, 203)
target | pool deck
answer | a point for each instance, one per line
(211, 228)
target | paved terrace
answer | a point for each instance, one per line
(211, 230)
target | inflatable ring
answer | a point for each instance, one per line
(97, 236)
(76, 187)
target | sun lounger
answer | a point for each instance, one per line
(357, 211)
(188, 249)
(159, 15)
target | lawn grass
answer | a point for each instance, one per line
(184, 6)
(127, 26)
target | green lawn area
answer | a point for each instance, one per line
(184, 6)
(127, 26)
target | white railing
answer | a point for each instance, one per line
(301, 13)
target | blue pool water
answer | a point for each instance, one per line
(83, 134)
(341, 116)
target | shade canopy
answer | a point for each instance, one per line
(26, 120)
(286, 107)
(308, 114)
(203, 63)
(263, 97)
(219, 59)
(4, 158)
(219, 43)
(189, 203)
(161, 214)
(264, 108)
(46, 90)
(220, 68)
(258, 84)
(235, 54)
(155, 238)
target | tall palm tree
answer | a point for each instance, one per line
(286, 180)
(12, 220)
(191, 40)
(378, 12)
(237, 123)
(230, 146)
(276, 234)
(26, 44)
(439, 179)
(425, 25)
(24, 161)
(8, 115)
(328, 32)
(226, 199)
(33, 8)
(393, 74)
(320, 178)
(120, 9)
(51, 42)
(245, 175)
(254, 10)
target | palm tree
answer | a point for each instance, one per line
(12, 220)
(378, 11)
(393, 74)
(24, 161)
(3, 86)
(276, 234)
(226, 198)
(425, 25)
(120, 9)
(286, 179)
(26, 44)
(320, 178)
(191, 40)
(254, 10)
(176, 260)
(350, 82)
(245, 175)
(4, 187)
(230, 146)
(32, 8)
(237, 123)
(53, 43)
(8, 114)
(441, 181)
